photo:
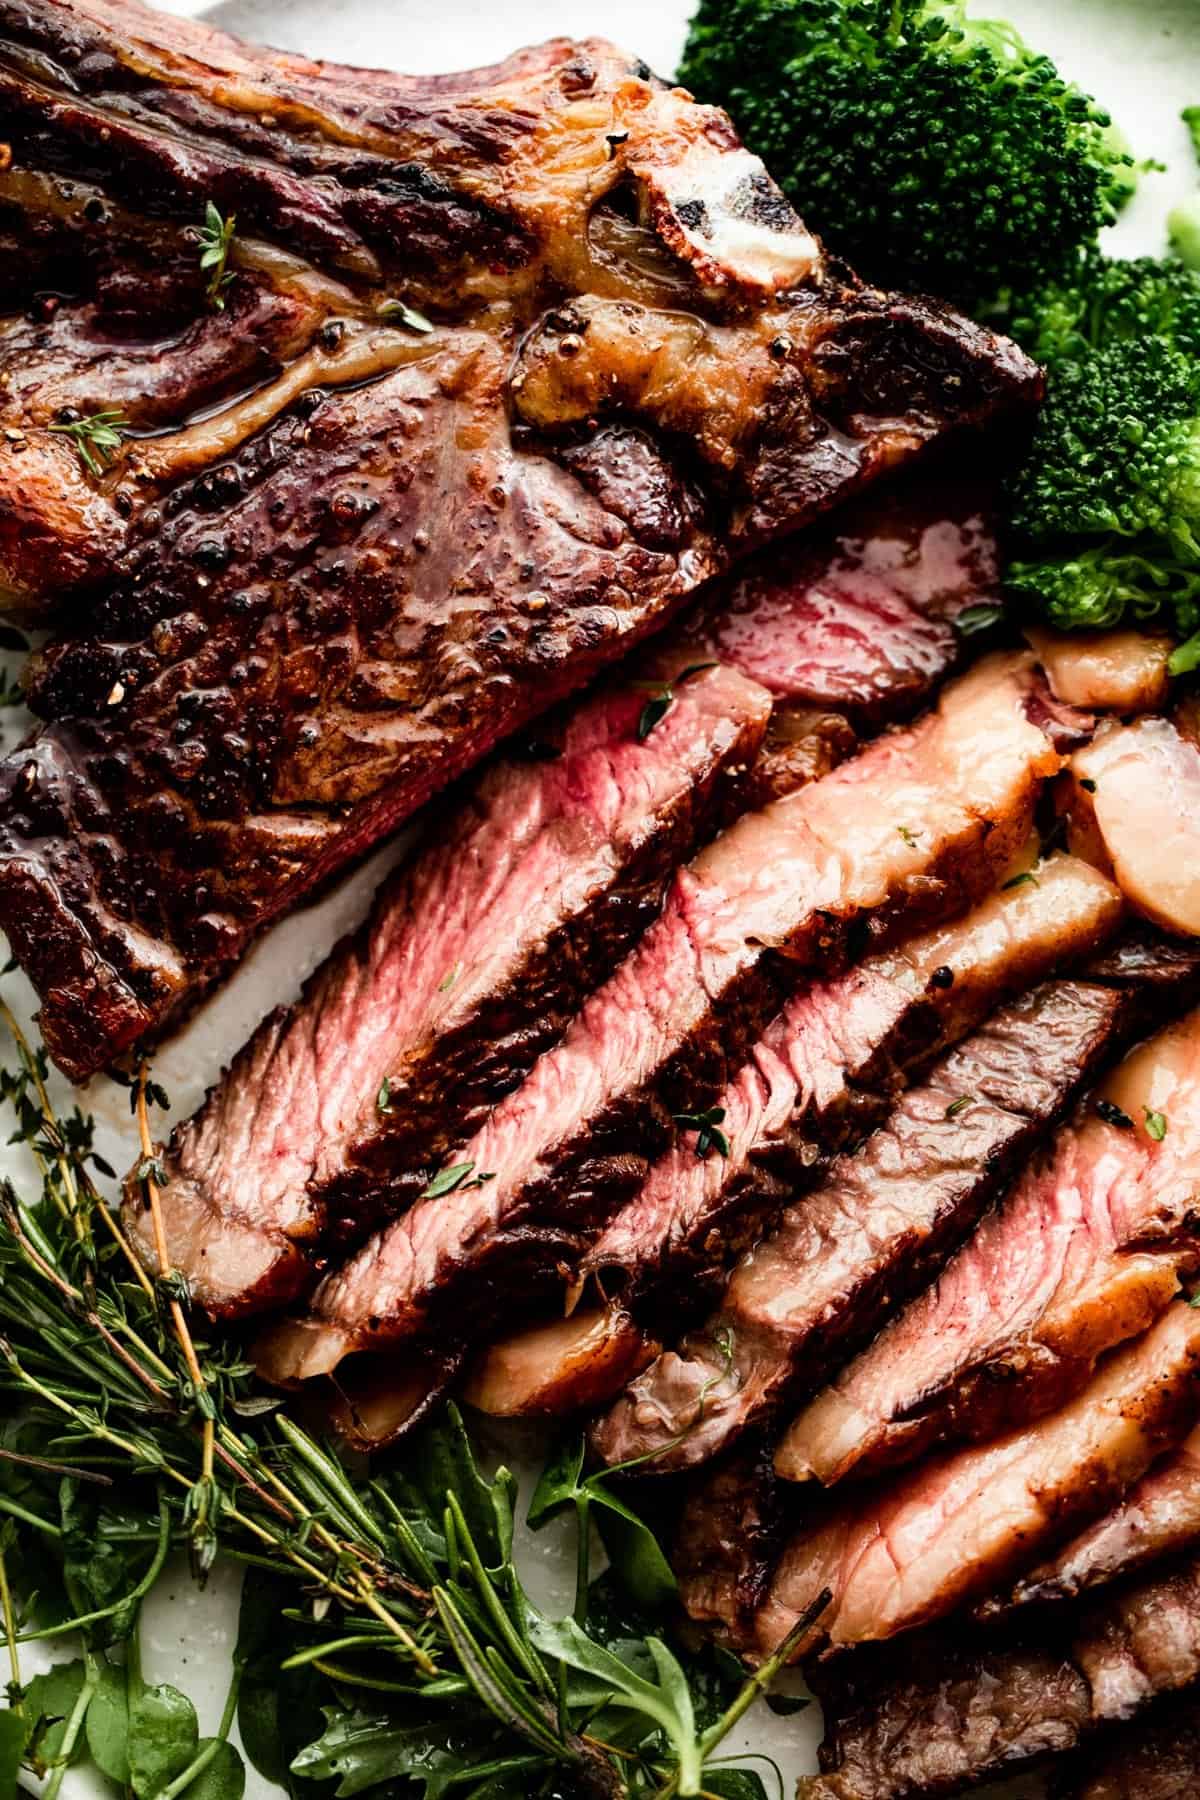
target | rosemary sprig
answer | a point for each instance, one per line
(97, 438)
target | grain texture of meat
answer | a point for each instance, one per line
(948, 1711)
(1157, 1518)
(1086, 1251)
(388, 545)
(475, 956)
(772, 899)
(867, 1236)
(828, 1064)
(863, 618)
(909, 1552)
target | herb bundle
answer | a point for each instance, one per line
(386, 1602)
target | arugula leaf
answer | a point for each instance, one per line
(223, 1778)
(108, 1725)
(360, 1749)
(50, 1699)
(12, 1749)
(441, 1463)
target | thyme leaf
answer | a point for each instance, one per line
(215, 237)
(97, 438)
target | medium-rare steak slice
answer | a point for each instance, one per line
(830, 1062)
(947, 1712)
(825, 1070)
(531, 351)
(1154, 1760)
(862, 617)
(1158, 1517)
(475, 955)
(775, 896)
(908, 1553)
(869, 1234)
(1087, 1249)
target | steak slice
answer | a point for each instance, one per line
(869, 1234)
(531, 352)
(861, 616)
(775, 896)
(830, 1062)
(909, 1553)
(1158, 1517)
(1087, 1250)
(826, 1068)
(473, 959)
(952, 1712)
(1154, 1760)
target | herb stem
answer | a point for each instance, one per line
(10, 1634)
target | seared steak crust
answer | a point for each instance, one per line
(290, 622)
(948, 1712)
(1153, 1760)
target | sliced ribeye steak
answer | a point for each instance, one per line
(1086, 1251)
(814, 1290)
(473, 959)
(543, 874)
(495, 369)
(910, 1551)
(946, 1712)
(775, 896)
(824, 1071)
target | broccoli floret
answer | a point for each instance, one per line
(1116, 449)
(932, 150)
(1105, 510)
(1108, 302)
(1183, 222)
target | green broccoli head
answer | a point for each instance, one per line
(1105, 510)
(932, 150)
(1104, 301)
(1116, 449)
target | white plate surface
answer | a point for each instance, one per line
(1142, 57)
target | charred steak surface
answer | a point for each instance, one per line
(506, 363)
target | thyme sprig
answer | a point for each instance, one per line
(97, 438)
(215, 237)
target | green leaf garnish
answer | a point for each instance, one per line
(96, 438)
(215, 237)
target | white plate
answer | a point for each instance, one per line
(1142, 57)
